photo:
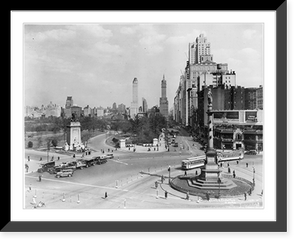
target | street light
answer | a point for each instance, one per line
(253, 175)
(219, 182)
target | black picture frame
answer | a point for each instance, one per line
(280, 225)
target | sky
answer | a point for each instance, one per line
(96, 63)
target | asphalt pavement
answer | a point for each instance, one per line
(129, 177)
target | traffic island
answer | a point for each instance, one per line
(229, 187)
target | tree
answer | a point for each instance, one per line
(29, 144)
(54, 142)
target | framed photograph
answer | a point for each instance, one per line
(148, 121)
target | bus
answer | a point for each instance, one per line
(193, 162)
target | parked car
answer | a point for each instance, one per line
(109, 155)
(45, 166)
(251, 152)
(81, 163)
(98, 160)
(65, 173)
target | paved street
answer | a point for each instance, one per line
(129, 180)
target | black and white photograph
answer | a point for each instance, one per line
(143, 115)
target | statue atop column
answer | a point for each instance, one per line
(74, 118)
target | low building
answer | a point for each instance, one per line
(236, 129)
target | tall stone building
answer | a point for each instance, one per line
(199, 51)
(144, 105)
(134, 108)
(163, 101)
(69, 102)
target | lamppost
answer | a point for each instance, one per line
(169, 170)
(48, 148)
(253, 175)
(219, 182)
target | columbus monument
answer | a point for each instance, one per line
(210, 180)
(210, 174)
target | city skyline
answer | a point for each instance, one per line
(96, 63)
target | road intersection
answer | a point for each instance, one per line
(131, 177)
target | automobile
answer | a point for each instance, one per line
(251, 152)
(52, 170)
(109, 155)
(45, 166)
(65, 173)
(98, 160)
(81, 163)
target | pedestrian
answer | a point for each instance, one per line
(228, 170)
(162, 179)
(166, 195)
(184, 172)
(105, 195)
(237, 162)
(207, 196)
(245, 195)
(58, 158)
(262, 192)
(41, 158)
(26, 167)
(246, 164)
(40, 178)
(73, 155)
(28, 158)
(250, 192)
(156, 184)
(233, 173)
(196, 172)
(187, 196)
(221, 165)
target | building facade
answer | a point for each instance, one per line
(259, 98)
(87, 111)
(144, 105)
(69, 102)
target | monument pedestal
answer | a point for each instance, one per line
(74, 134)
(122, 143)
(211, 171)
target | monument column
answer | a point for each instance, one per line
(211, 172)
(210, 124)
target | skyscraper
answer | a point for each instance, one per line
(144, 105)
(163, 101)
(69, 102)
(134, 109)
(199, 51)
